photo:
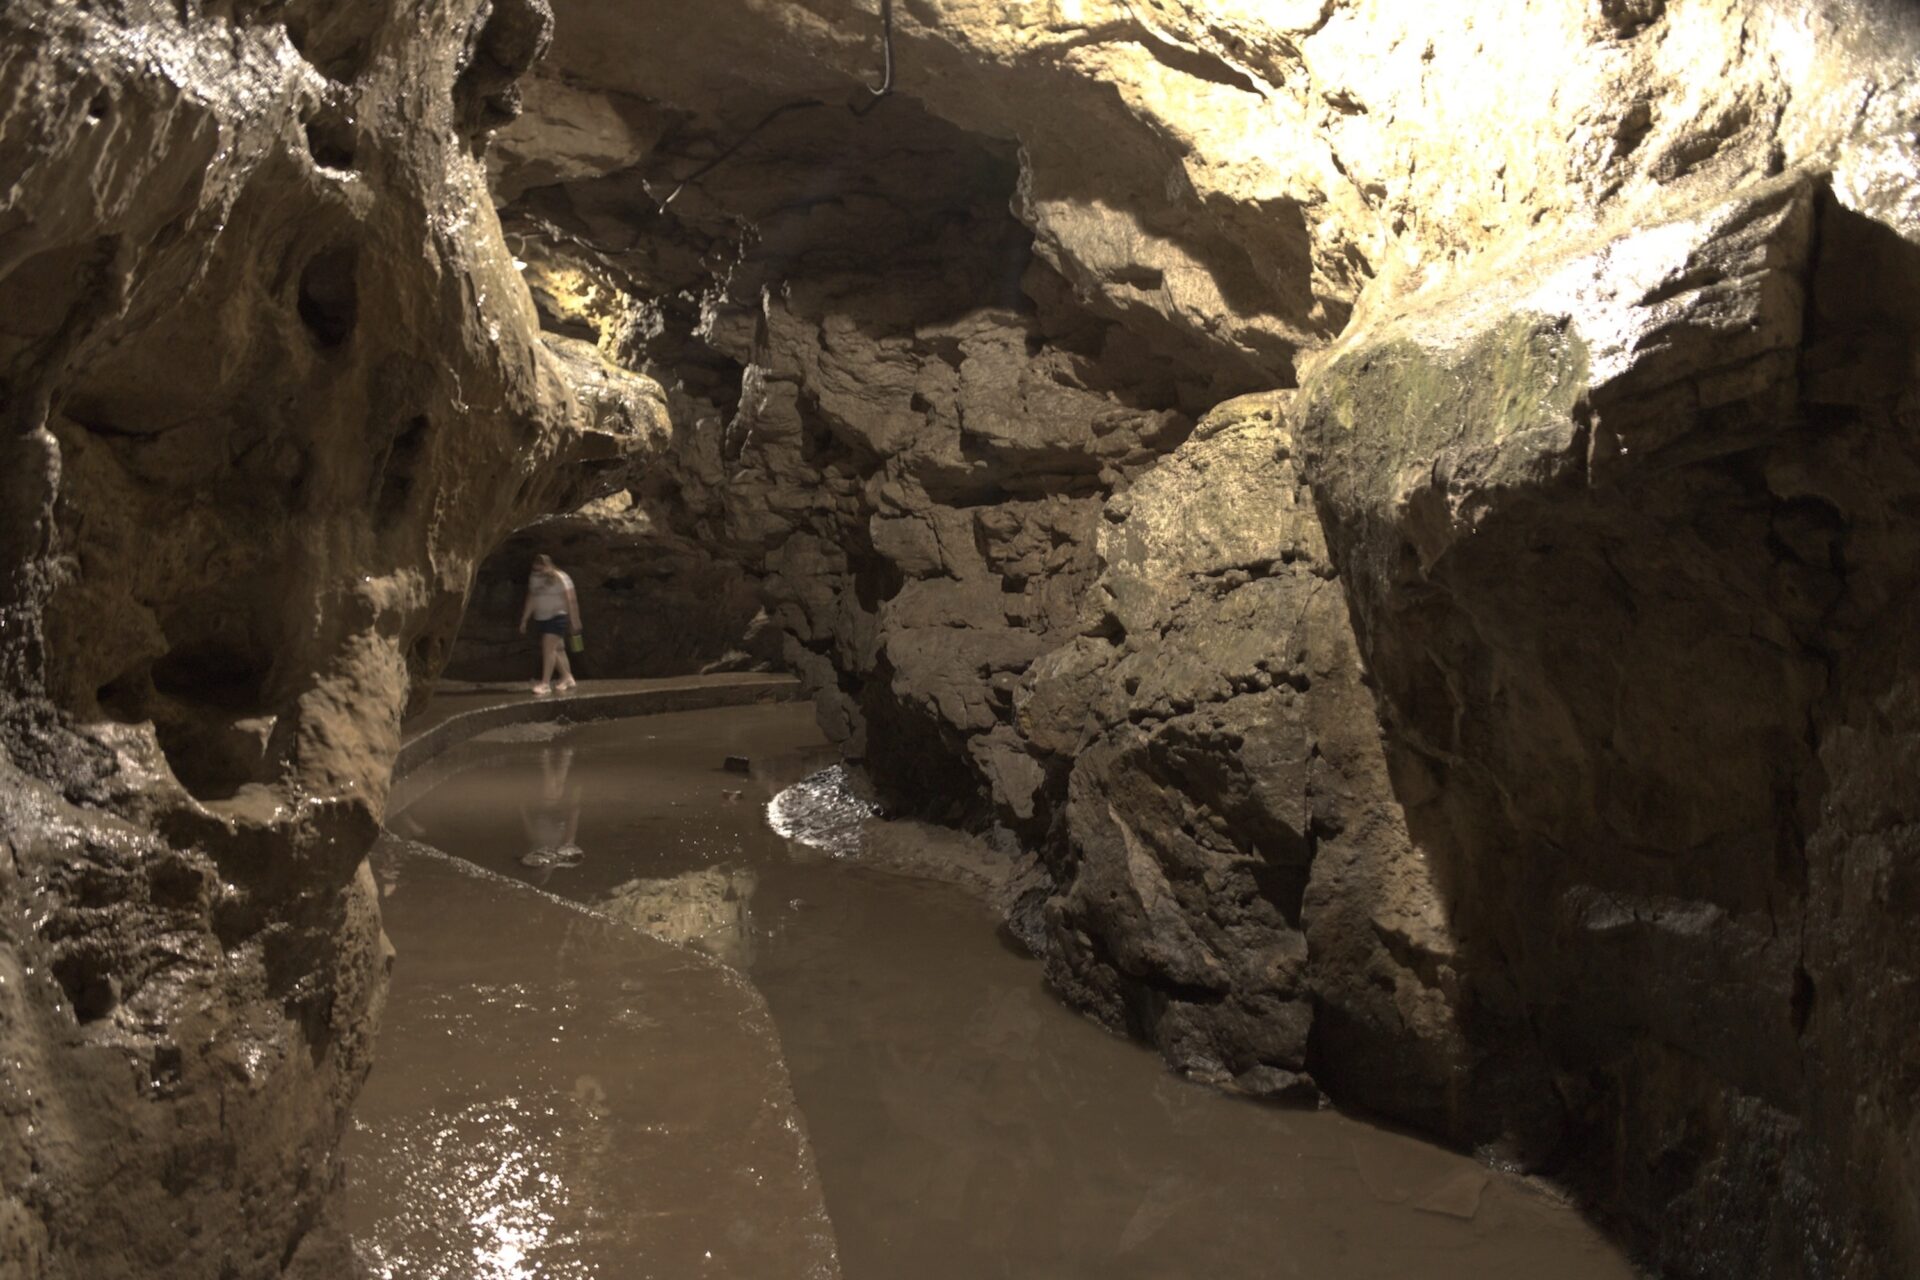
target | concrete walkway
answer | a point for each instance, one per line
(558, 1094)
(459, 711)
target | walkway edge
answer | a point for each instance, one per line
(584, 706)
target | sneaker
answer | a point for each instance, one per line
(566, 686)
(541, 690)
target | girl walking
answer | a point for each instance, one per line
(555, 612)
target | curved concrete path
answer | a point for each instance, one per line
(459, 711)
(557, 1095)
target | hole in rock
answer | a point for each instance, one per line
(875, 579)
(90, 988)
(207, 716)
(166, 1068)
(403, 461)
(513, 36)
(175, 884)
(211, 673)
(336, 39)
(425, 656)
(127, 697)
(347, 65)
(1803, 1000)
(202, 756)
(1140, 276)
(332, 139)
(329, 301)
(1283, 885)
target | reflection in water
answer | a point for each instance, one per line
(553, 823)
(966, 1125)
(484, 1166)
(556, 1098)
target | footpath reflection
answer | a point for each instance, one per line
(552, 823)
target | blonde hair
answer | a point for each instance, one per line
(543, 563)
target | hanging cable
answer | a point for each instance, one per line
(884, 90)
(886, 77)
(739, 142)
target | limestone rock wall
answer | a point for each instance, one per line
(887, 407)
(1232, 878)
(1483, 719)
(1403, 510)
(1623, 542)
(271, 386)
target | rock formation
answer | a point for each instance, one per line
(272, 386)
(1448, 725)
(1626, 556)
(1404, 511)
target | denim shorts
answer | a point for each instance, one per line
(558, 625)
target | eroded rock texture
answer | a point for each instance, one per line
(1232, 876)
(1630, 570)
(890, 409)
(1489, 711)
(1403, 510)
(271, 386)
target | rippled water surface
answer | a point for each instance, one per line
(964, 1124)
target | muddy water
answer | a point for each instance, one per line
(963, 1123)
(558, 1097)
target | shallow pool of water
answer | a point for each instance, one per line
(964, 1124)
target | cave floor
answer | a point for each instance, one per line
(557, 1108)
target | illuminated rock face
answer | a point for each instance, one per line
(1622, 541)
(1406, 510)
(1475, 721)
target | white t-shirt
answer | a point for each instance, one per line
(549, 592)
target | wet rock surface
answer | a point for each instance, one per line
(271, 388)
(560, 1095)
(892, 413)
(1232, 877)
(1404, 515)
(1372, 728)
(965, 1123)
(1623, 574)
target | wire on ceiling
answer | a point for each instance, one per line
(876, 94)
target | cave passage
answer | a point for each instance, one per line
(965, 1124)
(657, 603)
(1369, 555)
